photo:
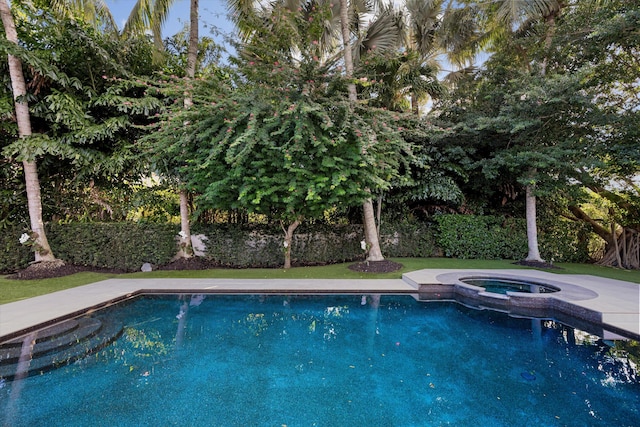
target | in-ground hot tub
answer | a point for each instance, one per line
(503, 285)
(518, 294)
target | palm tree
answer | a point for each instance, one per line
(192, 57)
(34, 201)
(94, 12)
(146, 15)
(502, 17)
(430, 33)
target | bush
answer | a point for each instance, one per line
(262, 246)
(123, 246)
(126, 246)
(561, 240)
(323, 244)
(412, 239)
(313, 244)
(13, 255)
(481, 237)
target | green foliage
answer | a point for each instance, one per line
(13, 209)
(242, 246)
(499, 237)
(176, 49)
(481, 237)
(86, 108)
(562, 240)
(13, 255)
(288, 148)
(436, 169)
(124, 246)
(262, 246)
(387, 78)
(413, 239)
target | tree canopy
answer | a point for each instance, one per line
(552, 113)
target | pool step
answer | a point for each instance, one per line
(56, 346)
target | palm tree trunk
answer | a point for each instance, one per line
(370, 232)
(34, 200)
(192, 52)
(186, 246)
(415, 105)
(346, 49)
(532, 228)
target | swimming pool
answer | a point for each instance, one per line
(327, 361)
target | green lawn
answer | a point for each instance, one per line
(13, 290)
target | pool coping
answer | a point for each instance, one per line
(613, 305)
(606, 307)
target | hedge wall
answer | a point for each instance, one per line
(123, 246)
(260, 246)
(127, 246)
(13, 255)
(481, 237)
(498, 237)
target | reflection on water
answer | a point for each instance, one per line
(22, 371)
(339, 360)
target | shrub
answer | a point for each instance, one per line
(126, 246)
(561, 240)
(123, 246)
(13, 255)
(262, 246)
(412, 239)
(481, 237)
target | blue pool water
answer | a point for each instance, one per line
(330, 361)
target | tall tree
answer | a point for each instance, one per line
(255, 20)
(42, 249)
(192, 58)
(93, 12)
(370, 229)
(502, 17)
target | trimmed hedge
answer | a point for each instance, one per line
(126, 246)
(481, 237)
(262, 246)
(498, 237)
(410, 239)
(13, 255)
(123, 246)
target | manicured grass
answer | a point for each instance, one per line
(13, 290)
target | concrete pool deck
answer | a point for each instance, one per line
(616, 302)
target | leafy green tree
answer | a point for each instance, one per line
(336, 31)
(601, 43)
(543, 111)
(23, 118)
(280, 144)
(86, 108)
